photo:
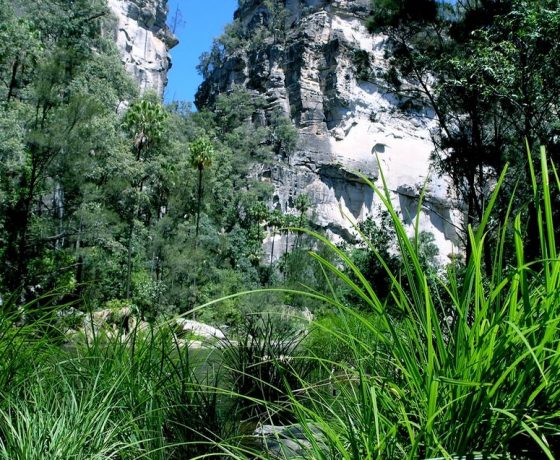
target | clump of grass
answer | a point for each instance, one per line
(141, 395)
(263, 363)
(486, 380)
(59, 421)
(23, 347)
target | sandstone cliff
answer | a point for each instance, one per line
(144, 40)
(326, 72)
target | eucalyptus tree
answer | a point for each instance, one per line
(489, 70)
(20, 49)
(52, 54)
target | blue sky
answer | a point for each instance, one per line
(199, 22)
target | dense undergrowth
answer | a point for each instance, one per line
(436, 370)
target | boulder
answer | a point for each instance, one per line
(290, 442)
(199, 329)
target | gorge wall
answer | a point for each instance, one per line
(326, 73)
(144, 41)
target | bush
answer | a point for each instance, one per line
(265, 365)
(362, 64)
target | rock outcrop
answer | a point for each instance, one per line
(327, 74)
(144, 40)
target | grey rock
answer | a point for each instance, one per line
(200, 329)
(290, 442)
(144, 41)
(347, 127)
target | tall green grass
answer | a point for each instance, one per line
(469, 365)
(478, 372)
(141, 395)
(261, 364)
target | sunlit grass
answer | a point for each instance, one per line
(483, 378)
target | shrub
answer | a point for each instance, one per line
(264, 365)
(362, 64)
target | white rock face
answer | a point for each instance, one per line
(346, 120)
(144, 40)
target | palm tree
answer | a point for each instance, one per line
(201, 153)
(258, 212)
(288, 222)
(145, 121)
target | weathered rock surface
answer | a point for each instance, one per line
(346, 117)
(123, 321)
(144, 41)
(199, 329)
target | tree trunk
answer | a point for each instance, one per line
(13, 81)
(197, 231)
(14, 259)
(272, 250)
(300, 225)
(80, 265)
(198, 206)
(129, 258)
(17, 252)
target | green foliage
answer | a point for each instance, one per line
(201, 153)
(302, 203)
(106, 207)
(473, 373)
(263, 364)
(268, 30)
(122, 396)
(373, 260)
(58, 117)
(284, 135)
(489, 72)
(394, 12)
(146, 123)
(362, 64)
(464, 385)
(232, 39)
(278, 15)
(232, 109)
